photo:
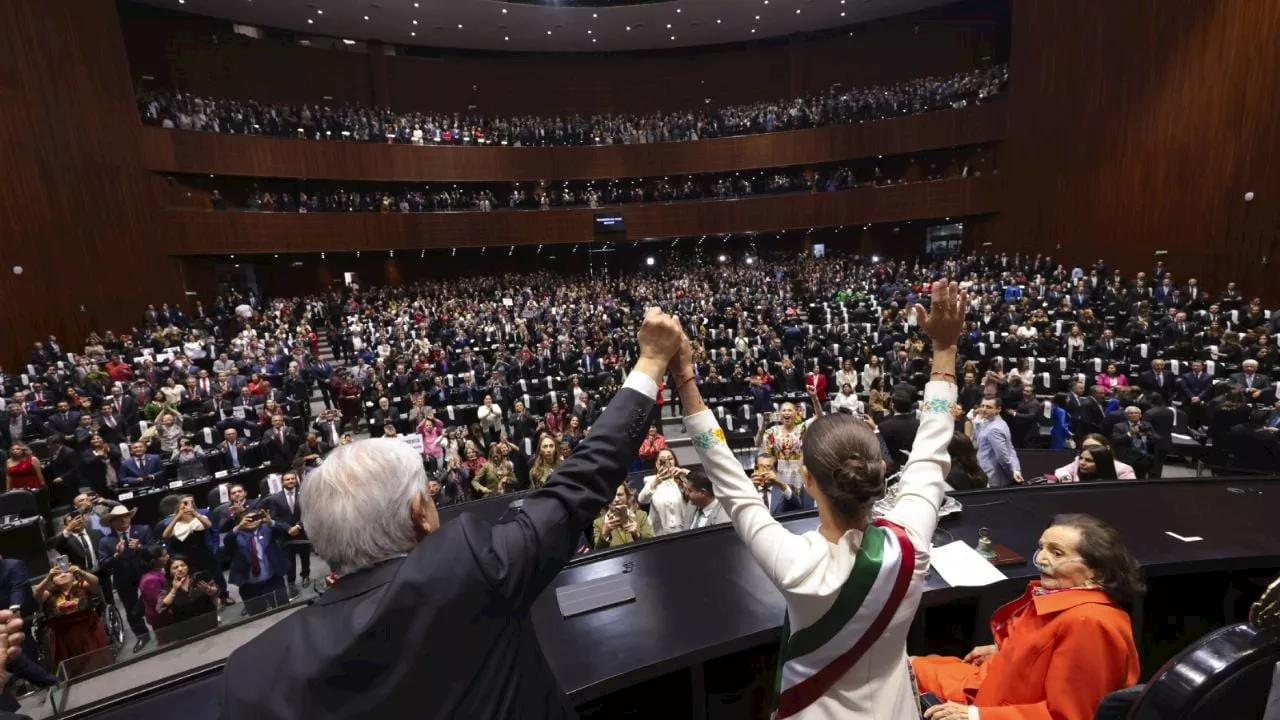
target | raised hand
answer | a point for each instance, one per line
(944, 321)
(659, 337)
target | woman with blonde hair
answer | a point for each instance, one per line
(545, 461)
(23, 469)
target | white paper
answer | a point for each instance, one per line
(224, 495)
(961, 566)
(1192, 538)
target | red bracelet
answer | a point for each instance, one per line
(686, 381)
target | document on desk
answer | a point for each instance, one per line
(961, 566)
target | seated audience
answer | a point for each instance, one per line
(1061, 647)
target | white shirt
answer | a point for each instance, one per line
(810, 571)
(668, 512)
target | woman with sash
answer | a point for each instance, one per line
(851, 586)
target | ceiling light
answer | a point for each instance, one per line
(757, 17)
(310, 21)
(717, 21)
(668, 26)
(415, 4)
(753, 29)
(628, 28)
(415, 22)
(594, 15)
(319, 12)
(588, 32)
(841, 13)
(366, 17)
(673, 37)
(413, 34)
(348, 42)
(507, 39)
(504, 11)
(459, 26)
(593, 39)
(182, 2)
(677, 9)
(797, 11)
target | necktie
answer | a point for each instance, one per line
(1275, 421)
(290, 497)
(90, 560)
(254, 566)
(235, 457)
(1160, 380)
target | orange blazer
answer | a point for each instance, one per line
(1060, 654)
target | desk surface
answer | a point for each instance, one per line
(700, 596)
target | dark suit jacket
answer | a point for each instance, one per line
(899, 433)
(280, 447)
(1161, 419)
(75, 551)
(1260, 381)
(15, 586)
(1150, 382)
(1125, 449)
(1201, 388)
(456, 610)
(132, 471)
(237, 545)
(127, 568)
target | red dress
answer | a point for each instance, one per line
(22, 474)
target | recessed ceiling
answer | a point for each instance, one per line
(521, 27)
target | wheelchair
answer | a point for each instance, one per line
(112, 622)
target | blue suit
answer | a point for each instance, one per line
(239, 544)
(132, 472)
(1060, 431)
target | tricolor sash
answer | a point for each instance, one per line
(812, 659)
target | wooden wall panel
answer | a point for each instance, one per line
(192, 232)
(196, 152)
(1140, 127)
(179, 51)
(76, 207)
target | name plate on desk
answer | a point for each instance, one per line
(594, 594)
(221, 474)
(124, 496)
(175, 484)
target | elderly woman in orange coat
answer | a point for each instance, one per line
(1061, 647)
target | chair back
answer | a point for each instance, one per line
(1225, 674)
(19, 502)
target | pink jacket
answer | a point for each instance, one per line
(431, 430)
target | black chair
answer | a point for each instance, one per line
(1225, 674)
(22, 503)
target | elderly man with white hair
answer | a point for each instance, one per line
(431, 621)
(1135, 442)
(1250, 380)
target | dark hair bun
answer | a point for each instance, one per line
(860, 480)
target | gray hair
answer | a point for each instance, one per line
(358, 503)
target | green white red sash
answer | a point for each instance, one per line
(812, 659)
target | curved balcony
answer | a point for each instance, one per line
(179, 151)
(206, 232)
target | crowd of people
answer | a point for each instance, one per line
(494, 381)
(186, 111)
(328, 197)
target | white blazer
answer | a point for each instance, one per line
(809, 571)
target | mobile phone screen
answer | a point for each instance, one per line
(63, 564)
